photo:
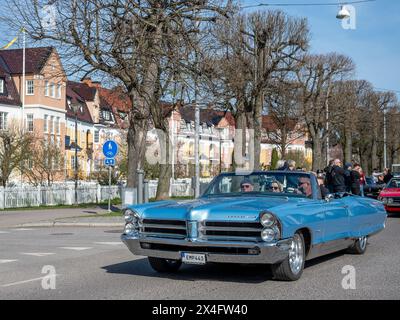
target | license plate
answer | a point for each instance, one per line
(193, 258)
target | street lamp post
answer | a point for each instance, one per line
(75, 108)
(220, 149)
(384, 138)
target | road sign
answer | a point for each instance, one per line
(109, 162)
(110, 149)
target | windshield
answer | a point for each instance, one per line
(394, 183)
(272, 183)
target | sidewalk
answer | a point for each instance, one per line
(68, 217)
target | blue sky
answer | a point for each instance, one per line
(374, 45)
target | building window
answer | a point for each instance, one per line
(45, 123)
(52, 124)
(29, 87)
(3, 120)
(29, 122)
(52, 90)
(46, 88)
(58, 125)
(96, 136)
(59, 91)
(2, 86)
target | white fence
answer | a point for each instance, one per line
(20, 197)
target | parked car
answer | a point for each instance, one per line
(274, 217)
(390, 196)
(371, 188)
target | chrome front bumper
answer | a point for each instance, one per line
(268, 253)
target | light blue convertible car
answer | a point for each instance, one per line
(274, 217)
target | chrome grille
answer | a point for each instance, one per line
(163, 228)
(239, 231)
(396, 200)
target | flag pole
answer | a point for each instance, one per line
(23, 78)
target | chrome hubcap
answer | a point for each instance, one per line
(296, 254)
(363, 242)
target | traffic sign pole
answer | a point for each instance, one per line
(109, 189)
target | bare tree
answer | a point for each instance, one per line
(45, 164)
(316, 77)
(125, 40)
(15, 149)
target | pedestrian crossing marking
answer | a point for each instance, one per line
(76, 248)
(37, 254)
(115, 243)
(7, 260)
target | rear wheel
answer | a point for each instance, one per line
(164, 265)
(292, 267)
(359, 246)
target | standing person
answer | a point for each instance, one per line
(321, 183)
(282, 165)
(362, 181)
(388, 175)
(355, 176)
(338, 177)
(347, 177)
(381, 179)
(328, 176)
(291, 165)
(375, 174)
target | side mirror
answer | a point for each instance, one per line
(329, 197)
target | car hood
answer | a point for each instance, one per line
(218, 208)
(390, 192)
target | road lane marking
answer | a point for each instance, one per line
(23, 229)
(37, 254)
(25, 281)
(110, 243)
(7, 260)
(76, 248)
(4, 232)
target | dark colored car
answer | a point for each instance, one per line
(371, 188)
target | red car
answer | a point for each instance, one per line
(390, 195)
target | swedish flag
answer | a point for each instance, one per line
(12, 41)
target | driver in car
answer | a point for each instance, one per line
(246, 186)
(305, 186)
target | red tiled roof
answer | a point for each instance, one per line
(115, 98)
(82, 89)
(83, 115)
(35, 59)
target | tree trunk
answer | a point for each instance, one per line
(136, 140)
(165, 168)
(317, 153)
(257, 127)
(239, 147)
(348, 148)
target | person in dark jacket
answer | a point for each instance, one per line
(328, 176)
(355, 176)
(338, 177)
(321, 181)
(347, 173)
(388, 175)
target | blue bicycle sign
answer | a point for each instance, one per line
(110, 149)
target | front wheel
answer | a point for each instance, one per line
(359, 246)
(292, 267)
(164, 265)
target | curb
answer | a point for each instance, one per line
(71, 224)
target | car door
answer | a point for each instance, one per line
(337, 222)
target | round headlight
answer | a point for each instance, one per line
(390, 200)
(131, 216)
(268, 234)
(385, 200)
(267, 219)
(129, 228)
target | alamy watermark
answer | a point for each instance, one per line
(349, 280)
(49, 280)
(48, 17)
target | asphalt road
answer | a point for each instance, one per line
(92, 263)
